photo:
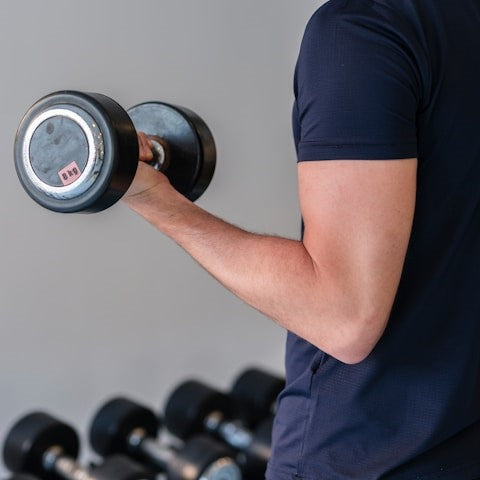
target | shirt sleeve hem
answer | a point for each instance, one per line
(312, 151)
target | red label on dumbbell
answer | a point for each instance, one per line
(69, 174)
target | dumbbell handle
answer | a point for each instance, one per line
(160, 151)
(64, 466)
(161, 457)
(233, 433)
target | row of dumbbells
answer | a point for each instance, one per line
(214, 436)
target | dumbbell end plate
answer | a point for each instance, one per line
(76, 152)
(191, 146)
(31, 437)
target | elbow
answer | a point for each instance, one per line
(354, 343)
(353, 356)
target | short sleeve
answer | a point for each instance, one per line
(357, 84)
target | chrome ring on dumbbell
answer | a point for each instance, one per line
(75, 179)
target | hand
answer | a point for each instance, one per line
(145, 147)
(146, 178)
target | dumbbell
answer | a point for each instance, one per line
(39, 444)
(254, 394)
(124, 426)
(78, 152)
(23, 477)
(195, 407)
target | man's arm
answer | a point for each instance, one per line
(336, 288)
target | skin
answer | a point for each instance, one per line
(335, 288)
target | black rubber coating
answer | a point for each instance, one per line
(31, 437)
(254, 393)
(191, 145)
(190, 404)
(119, 467)
(120, 152)
(115, 421)
(23, 477)
(195, 457)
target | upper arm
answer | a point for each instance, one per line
(359, 89)
(358, 217)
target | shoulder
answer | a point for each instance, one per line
(325, 16)
(389, 14)
(366, 30)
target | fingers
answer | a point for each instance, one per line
(145, 148)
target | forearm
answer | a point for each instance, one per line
(274, 275)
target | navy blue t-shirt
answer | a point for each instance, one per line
(394, 79)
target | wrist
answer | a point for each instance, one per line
(160, 205)
(143, 198)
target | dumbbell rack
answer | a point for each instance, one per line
(226, 436)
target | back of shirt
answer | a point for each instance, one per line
(378, 80)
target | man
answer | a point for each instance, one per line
(380, 297)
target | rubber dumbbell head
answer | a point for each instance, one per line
(78, 152)
(254, 393)
(32, 437)
(187, 143)
(189, 406)
(114, 423)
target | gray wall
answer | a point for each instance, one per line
(100, 304)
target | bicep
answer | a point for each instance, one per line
(358, 217)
